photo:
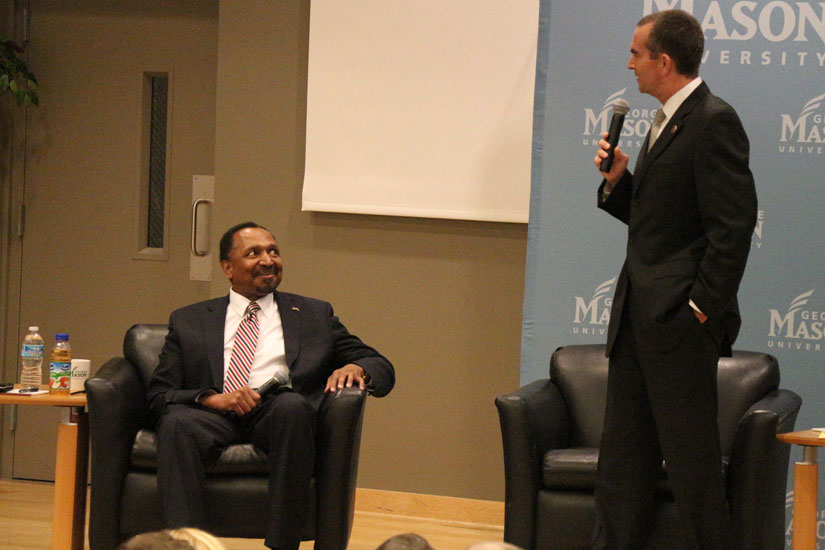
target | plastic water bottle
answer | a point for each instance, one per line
(60, 367)
(31, 354)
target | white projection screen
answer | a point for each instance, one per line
(421, 108)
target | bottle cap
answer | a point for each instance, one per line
(61, 337)
(34, 329)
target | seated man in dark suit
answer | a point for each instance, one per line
(202, 395)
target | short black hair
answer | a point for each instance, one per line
(679, 35)
(228, 238)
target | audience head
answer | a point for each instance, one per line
(493, 546)
(407, 541)
(156, 540)
(186, 538)
(199, 539)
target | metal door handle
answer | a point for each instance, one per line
(195, 205)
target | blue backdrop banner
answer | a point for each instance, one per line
(767, 59)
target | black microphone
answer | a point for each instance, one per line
(278, 379)
(620, 109)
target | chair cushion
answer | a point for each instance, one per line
(575, 469)
(570, 468)
(238, 459)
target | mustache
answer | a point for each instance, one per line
(265, 271)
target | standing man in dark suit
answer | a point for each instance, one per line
(202, 394)
(690, 209)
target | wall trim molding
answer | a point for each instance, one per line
(452, 510)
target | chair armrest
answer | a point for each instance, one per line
(533, 421)
(758, 474)
(117, 410)
(339, 442)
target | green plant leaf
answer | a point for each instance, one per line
(15, 77)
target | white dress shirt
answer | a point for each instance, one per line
(270, 356)
(672, 105)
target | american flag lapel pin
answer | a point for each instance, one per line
(295, 308)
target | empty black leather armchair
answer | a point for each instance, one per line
(124, 499)
(551, 431)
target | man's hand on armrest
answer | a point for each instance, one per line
(346, 376)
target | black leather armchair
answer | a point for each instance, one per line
(124, 497)
(551, 431)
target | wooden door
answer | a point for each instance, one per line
(85, 268)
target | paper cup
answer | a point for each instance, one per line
(80, 373)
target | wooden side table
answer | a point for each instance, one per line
(71, 470)
(805, 487)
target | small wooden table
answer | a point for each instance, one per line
(70, 473)
(805, 487)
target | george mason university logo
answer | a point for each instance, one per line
(776, 21)
(593, 315)
(806, 128)
(636, 123)
(799, 328)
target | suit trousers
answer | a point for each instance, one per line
(192, 437)
(661, 406)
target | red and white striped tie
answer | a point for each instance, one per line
(246, 340)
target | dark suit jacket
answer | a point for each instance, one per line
(690, 209)
(316, 343)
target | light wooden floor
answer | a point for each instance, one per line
(25, 523)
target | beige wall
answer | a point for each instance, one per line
(74, 270)
(7, 120)
(82, 165)
(442, 299)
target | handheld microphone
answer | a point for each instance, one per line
(278, 379)
(620, 109)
